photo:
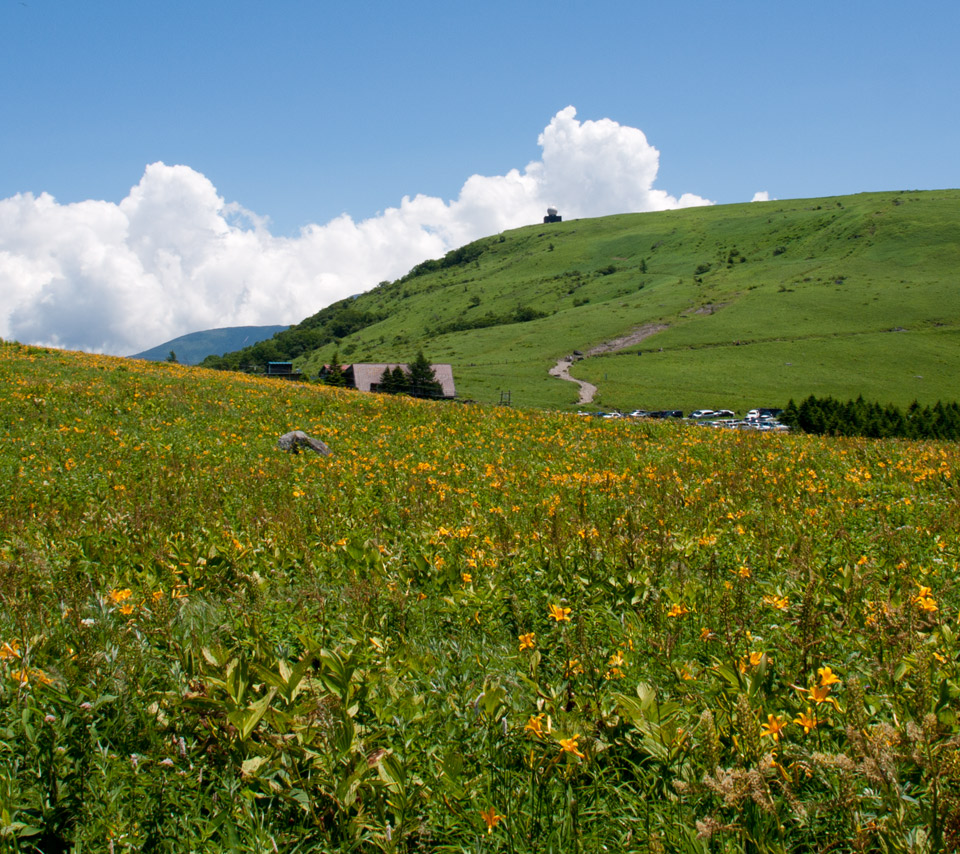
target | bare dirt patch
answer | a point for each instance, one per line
(635, 336)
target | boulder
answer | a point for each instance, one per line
(296, 439)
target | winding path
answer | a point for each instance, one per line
(561, 370)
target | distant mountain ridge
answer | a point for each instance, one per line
(194, 347)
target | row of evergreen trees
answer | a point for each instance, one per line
(418, 381)
(862, 418)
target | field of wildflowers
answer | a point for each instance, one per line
(470, 629)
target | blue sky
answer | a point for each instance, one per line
(302, 112)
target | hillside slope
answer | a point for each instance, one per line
(599, 629)
(747, 304)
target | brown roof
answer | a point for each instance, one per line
(366, 374)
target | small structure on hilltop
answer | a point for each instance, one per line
(284, 370)
(552, 216)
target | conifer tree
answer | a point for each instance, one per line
(386, 385)
(400, 380)
(334, 375)
(423, 381)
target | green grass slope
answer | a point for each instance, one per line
(470, 628)
(758, 303)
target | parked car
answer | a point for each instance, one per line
(702, 413)
(760, 412)
(725, 413)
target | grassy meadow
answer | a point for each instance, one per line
(469, 629)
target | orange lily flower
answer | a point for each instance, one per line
(490, 818)
(806, 721)
(827, 677)
(773, 727)
(569, 745)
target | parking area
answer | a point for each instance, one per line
(763, 419)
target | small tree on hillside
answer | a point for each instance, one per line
(423, 381)
(172, 358)
(385, 384)
(335, 372)
(394, 381)
(400, 380)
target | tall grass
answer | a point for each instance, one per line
(469, 629)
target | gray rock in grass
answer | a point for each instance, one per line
(296, 439)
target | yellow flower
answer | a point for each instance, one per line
(924, 599)
(781, 603)
(466, 577)
(35, 674)
(490, 819)
(819, 694)
(569, 745)
(535, 725)
(527, 641)
(9, 650)
(827, 677)
(678, 610)
(559, 613)
(806, 721)
(118, 596)
(773, 727)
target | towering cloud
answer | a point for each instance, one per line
(173, 257)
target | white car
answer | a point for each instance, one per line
(702, 413)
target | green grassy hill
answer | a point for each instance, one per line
(754, 303)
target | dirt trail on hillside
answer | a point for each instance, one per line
(561, 370)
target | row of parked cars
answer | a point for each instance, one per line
(763, 418)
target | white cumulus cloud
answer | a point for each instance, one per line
(174, 257)
(761, 196)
